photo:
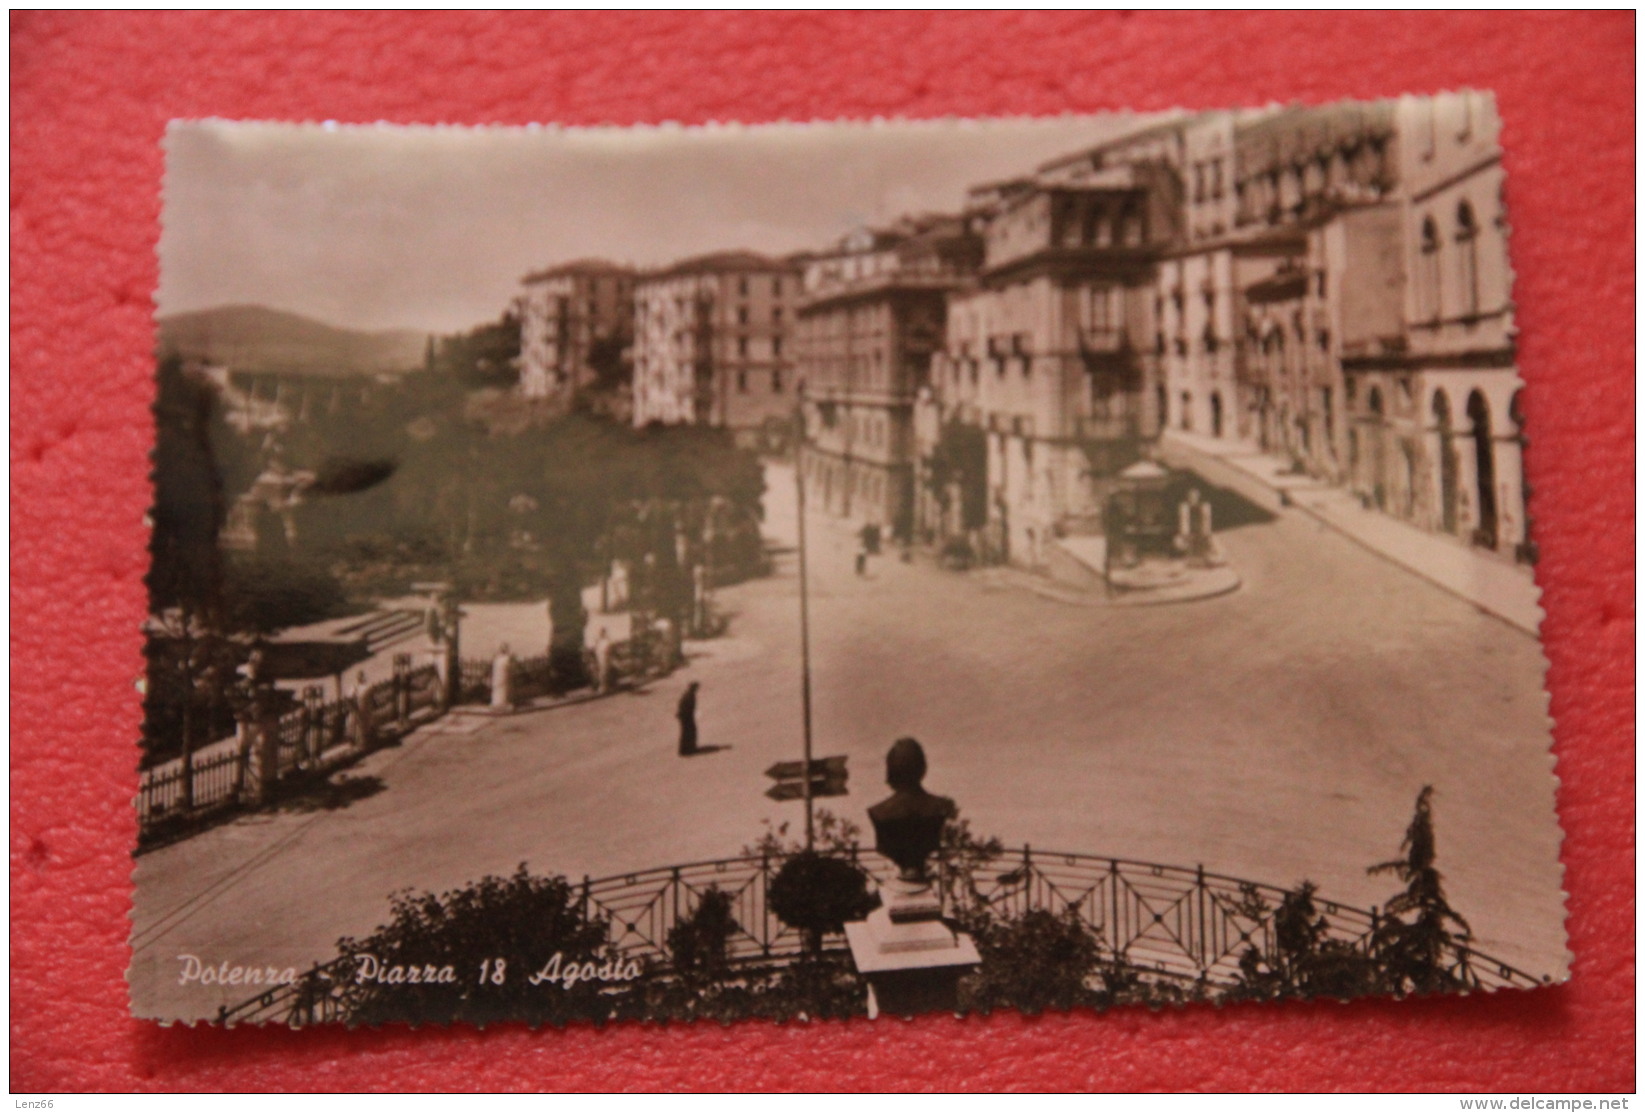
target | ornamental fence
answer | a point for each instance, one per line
(320, 736)
(1170, 923)
(316, 736)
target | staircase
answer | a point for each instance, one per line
(383, 629)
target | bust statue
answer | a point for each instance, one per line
(908, 824)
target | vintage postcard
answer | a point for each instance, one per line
(840, 570)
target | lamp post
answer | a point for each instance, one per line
(805, 611)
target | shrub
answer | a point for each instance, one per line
(517, 927)
(1306, 961)
(697, 943)
(818, 894)
(1034, 962)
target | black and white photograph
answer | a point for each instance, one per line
(831, 570)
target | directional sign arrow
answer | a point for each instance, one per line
(795, 790)
(820, 767)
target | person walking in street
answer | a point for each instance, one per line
(602, 663)
(686, 712)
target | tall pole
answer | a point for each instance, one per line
(805, 613)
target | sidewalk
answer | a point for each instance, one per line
(1505, 590)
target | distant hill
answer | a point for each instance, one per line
(253, 338)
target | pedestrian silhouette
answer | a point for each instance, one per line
(686, 712)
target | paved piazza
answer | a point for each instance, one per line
(1279, 733)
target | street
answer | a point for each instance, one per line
(1279, 733)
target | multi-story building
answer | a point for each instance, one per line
(1345, 304)
(1043, 390)
(1437, 422)
(1246, 298)
(576, 324)
(713, 344)
(871, 319)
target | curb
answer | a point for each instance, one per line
(1281, 499)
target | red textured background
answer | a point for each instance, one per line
(90, 97)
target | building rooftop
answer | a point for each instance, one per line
(579, 266)
(1093, 155)
(721, 262)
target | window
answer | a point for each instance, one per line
(1100, 308)
(1468, 258)
(776, 346)
(742, 314)
(742, 286)
(777, 313)
(1428, 301)
(742, 382)
(777, 288)
(776, 382)
(742, 346)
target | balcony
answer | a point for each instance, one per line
(1102, 340)
(1092, 427)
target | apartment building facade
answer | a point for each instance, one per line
(872, 318)
(576, 326)
(1042, 392)
(713, 344)
(1443, 419)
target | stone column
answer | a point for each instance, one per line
(402, 691)
(262, 731)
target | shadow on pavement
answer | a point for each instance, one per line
(1230, 510)
(330, 794)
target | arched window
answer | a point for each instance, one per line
(1468, 258)
(1428, 301)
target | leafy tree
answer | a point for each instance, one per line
(817, 894)
(1306, 961)
(605, 359)
(515, 926)
(263, 595)
(963, 854)
(485, 356)
(1417, 940)
(1418, 943)
(185, 576)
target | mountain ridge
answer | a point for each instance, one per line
(257, 338)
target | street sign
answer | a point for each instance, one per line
(820, 767)
(794, 790)
(828, 777)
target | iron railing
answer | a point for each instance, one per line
(1185, 925)
(317, 734)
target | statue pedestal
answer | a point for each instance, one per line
(912, 960)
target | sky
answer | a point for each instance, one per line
(432, 228)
